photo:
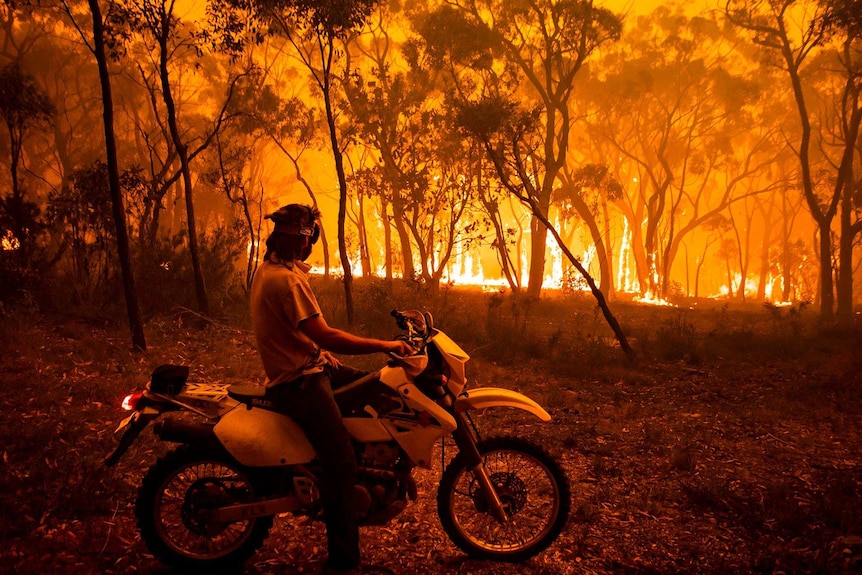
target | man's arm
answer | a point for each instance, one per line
(340, 341)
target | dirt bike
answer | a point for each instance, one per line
(212, 500)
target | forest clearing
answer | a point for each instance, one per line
(732, 444)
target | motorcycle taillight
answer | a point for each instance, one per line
(130, 402)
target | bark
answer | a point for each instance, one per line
(342, 189)
(407, 269)
(117, 208)
(362, 235)
(605, 276)
(844, 311)
(182, 151)
(538, 244)
(387, 237)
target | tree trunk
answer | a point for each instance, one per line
(182, 151)
(823, 218)
(764, 249)
(387, 238)
(510, 271)
(827, 295)
(642, 266)
(605, 276)
(608, 260)
(407, 269)
(342, 199)
(117, 209)
(538, 243)
(786, 277)
(844, 310)
(301, 179)
(362, 236)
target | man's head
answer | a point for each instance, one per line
(296, 231)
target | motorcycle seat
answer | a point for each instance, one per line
(246, 393)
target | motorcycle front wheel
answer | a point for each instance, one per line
(532, 487)
(173, 503)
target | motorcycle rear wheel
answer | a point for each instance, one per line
(172, 503)
(533, 488)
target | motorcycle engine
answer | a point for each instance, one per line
(382, 480)
(380, 455)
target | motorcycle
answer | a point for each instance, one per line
(212, 500)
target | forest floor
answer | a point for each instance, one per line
(698, 458)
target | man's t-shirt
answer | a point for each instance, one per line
(281, 299)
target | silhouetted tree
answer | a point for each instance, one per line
(318, 30)
(158, 19)
(23, 107)
(582, 191)
(790, 43)
(107, 41)
(291, 125)
(842, 22)
(545, 44)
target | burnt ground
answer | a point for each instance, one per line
(718, 464)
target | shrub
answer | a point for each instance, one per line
(164, 275)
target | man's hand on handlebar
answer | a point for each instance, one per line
(400, 348)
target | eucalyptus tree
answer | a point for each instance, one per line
(791, 32)
(389, 108)
(318, 31)
(105, 43)
(685, 129)
(158, 19)
(539, 48)
(842, 23)
(425, 168)
(265, 109)
(440, 214)
(172, 38)
(42, 45)
(229, 165)
(24, 108)
(586, 191)
(512, 70)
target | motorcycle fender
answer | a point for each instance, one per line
(262, 438)
(484, 397)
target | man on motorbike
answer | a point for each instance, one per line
(294, 342)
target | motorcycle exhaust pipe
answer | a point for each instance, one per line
(178, 431)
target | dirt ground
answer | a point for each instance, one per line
(720, 465)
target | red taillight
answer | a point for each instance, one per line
(130, 402)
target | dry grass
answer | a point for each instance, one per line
(731, 446)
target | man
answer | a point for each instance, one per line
(295, 342)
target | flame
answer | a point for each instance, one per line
(475, 265)
(9, 243)
(750, 289)
(651, 299)
(626, 283)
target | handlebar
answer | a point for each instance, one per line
(414, 320)
(418, 326)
